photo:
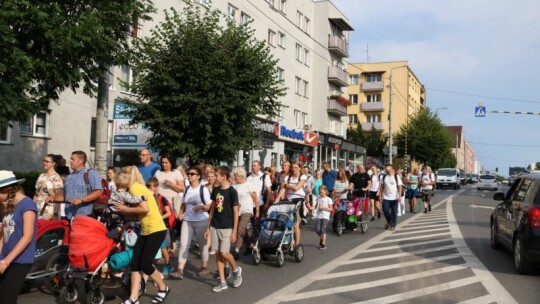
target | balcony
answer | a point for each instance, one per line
(372, 106)
(336, 108)
(338, 46)
(337, 76)
(372, 86)
(367, 126)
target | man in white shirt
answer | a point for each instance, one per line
(262, 183)
(390, 192)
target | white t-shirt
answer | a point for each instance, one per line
(339, 187)
(257, 182)
(310, 183)
(427, 178)
(174, 176)
(390, 187)
(192, 198)
(244, 197)
(323, 202)
(293, 181)
(375, 183)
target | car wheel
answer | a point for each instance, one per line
(521, 264)
(494, 241)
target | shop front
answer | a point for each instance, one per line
(299, 145)
(339, 152)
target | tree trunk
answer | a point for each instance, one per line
(102, 123)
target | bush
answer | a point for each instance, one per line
(29, 185)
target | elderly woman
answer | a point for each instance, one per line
(148, 243)
(247, 197)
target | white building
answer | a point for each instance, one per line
(310, 40)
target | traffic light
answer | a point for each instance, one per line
(496, 169)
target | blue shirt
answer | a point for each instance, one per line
(13, 224)
(148, 171)
(329, 178)
(75, 187)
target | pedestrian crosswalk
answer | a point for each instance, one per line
(426, 260)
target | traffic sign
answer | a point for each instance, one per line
(480, 111)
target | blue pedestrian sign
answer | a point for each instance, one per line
(480, 111)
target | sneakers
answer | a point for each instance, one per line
(212, 252)
(392, 228)
(322, 247)
(386, 226)
(429, 208)
(202, 272)
(178, 274)
(237, 277)
(220, 287)
(228, 273)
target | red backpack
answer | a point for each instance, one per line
(162, 203)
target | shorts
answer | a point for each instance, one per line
(426, 195)
(221, 239)
(374, 195)
(411, 193)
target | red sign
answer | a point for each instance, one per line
(337, 147)
(311, 138)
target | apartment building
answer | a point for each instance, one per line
(308, 37)
(463, 150)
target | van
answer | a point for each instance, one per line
(448, 177)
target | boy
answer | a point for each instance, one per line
(223, 227)
(121, 196)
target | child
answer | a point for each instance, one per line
(322, 214)
(120, 195)
(223, 227)
(153, 184)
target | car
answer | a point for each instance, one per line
(448, 177)
(473, 179)
(464, 178)
(488, 181)
(515, 222)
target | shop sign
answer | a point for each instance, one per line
(311, 138)
(290, 134)
(265, 126)
(336, 142)
(126, 133)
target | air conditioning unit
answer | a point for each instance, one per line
(308, 127)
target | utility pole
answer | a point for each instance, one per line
(390, 138)
(102, 123)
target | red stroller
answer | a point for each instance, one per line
(350, 213)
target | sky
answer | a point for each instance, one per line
(464, 52)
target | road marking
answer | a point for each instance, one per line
(487, 299)
(484, 207)
(413, 238)
(405, 245)
(408, 232)
(423, 227)
(397, 255)
(427, 224)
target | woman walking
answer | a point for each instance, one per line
(247, 198)
(46, 186)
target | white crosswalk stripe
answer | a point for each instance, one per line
(423, 260)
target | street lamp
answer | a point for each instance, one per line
(390, 137)
(437, 109)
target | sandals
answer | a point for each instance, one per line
(130, 301)
(161, 295)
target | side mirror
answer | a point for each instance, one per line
(499, 196)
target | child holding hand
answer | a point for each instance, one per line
(322, 210)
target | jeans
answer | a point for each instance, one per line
(390, 211)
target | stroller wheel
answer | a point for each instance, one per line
(265, 256)
(95, 296)
(256, 257)
(299, 253)
(57, 265)
(280, 258)
(364, 223)
(69, 294)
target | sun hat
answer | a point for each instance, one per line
(7, 178)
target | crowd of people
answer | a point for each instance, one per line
(172, 204)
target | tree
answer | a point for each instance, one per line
(428, 140)
(199, 85)
(373, 140)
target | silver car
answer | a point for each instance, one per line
(488, 182)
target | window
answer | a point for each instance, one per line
(204, 2)
(306, 88)
(303, 120)
(244, 19)
(271, 38)
(297, 118)
(5, 135)
(271, 2)
(299, 19)
(125, 78)
(298, 83)
(280, 74)
(353, 119)
(232, 12)
(353, 79)
(373, 97)
(298, 52)
(353, 98)
(373, 77)
(373, 118)
(306, 25)
(281, 39)
(306, 57)
(38, 125)
(282, 4)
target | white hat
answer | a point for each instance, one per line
(7, 178)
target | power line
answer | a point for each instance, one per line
(483, 96)
(501, 145)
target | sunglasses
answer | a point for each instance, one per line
(192, 173)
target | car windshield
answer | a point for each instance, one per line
(446, 172)
(487, 177)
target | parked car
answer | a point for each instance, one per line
(515, 222)
(464, 178)
(448, 177)
(474, 179)
(488, 181)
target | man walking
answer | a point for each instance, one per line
(82, 187)
(361, 181)
(391, 187)
(262, 183)
(412, 189)
(147, 167)
(427, 181)
(329, 178)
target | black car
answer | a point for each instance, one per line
(515, 222)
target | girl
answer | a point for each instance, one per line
(322, 212)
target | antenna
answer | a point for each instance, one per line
(367, 53)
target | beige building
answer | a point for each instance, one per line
(377, 89)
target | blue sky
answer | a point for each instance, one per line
(490, 49)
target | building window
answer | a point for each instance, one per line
(204, 2)
(244, 19)
(373, 77)
(306, 25)
(232, 12)
(373, 97)
(306, 89)
(299, 19)
(38, 125)
(297, 118)
(373, 118)
(126, 78)
(353, 119)
(271, 38)
(298, 84)
(271, 2)
(280, 74)
(303, 121)
(306, 57)
(5, 135)
(281, 39)
(353, 98)
(282, 4)
(353, 79)
(298, 52)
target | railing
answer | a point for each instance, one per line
(367, 126)
(373, 86)
(337, 76)
(335, 107)
(339, 46)
(372, 106)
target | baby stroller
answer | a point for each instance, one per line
(349, 213)
(92, 253)
(51, 256)
(277, 234)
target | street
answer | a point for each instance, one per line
(440, 257)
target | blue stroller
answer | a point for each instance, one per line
(277, 234)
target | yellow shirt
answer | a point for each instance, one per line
(152, 221)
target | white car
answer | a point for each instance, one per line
(488, 182)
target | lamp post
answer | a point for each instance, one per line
(437, 109)
(390, 137)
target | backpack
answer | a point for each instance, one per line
(397, 184)
(170, 222)
(103, 200)
(201, 192)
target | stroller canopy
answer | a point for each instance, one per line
(89, 245)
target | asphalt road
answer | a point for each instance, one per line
(440, 257)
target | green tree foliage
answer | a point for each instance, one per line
(47, 46)
(373, 140)
(428, 140)
(199, 84)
